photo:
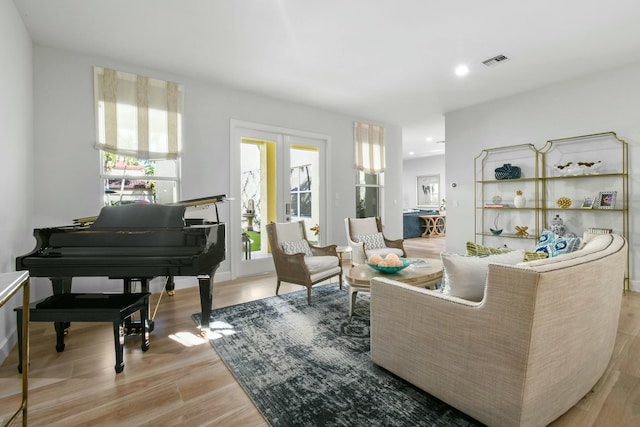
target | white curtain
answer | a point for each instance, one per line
(137, 116)
(369, 142)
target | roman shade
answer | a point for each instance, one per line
(137, 116)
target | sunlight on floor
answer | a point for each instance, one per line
(187, 339)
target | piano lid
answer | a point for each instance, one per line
(203, 201)
(123, 214)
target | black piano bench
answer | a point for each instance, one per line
(70, 307)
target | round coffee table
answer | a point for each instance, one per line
(423, 272)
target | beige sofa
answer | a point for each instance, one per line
(530, 350)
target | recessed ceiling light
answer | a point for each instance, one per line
(462, 70)
(411, 153)
(429, 139)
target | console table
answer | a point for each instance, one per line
(10, 284)
(435, 225)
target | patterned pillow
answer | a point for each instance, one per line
(474, 249)
(371, 241)
(297, 247)
(553, 244)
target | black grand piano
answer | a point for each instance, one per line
(135, 243)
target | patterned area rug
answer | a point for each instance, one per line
(308, 366)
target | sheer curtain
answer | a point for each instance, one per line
(137, 116)
(369, 142)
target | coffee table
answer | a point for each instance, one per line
(359, 277)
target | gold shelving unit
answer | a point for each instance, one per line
(541, 180)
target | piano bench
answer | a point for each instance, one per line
(71, 307)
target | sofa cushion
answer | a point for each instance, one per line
(553, 244)
(297, 247)
(371, 241)
(474, 249)
(465, 277)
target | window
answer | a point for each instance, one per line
(130, 180)
(301, 191)
(139, 129)
(368, 194)
(370, 164)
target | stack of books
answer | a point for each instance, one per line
(599, 231)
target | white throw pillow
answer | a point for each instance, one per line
(466, 277)
(371, 241)
(297, 247)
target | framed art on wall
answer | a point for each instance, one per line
(428, 190)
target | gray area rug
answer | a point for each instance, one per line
(307, 366)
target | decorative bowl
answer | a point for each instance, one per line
(496, 232)
(405, 264)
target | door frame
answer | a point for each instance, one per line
(239, 129)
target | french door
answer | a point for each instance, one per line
(276, 175)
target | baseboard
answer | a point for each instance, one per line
(634, 285)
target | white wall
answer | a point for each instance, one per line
(16, 137)
(412, 169)
(607, 101)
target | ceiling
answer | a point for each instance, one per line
(389, 61)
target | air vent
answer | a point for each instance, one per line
(495, 60)
(440, 142)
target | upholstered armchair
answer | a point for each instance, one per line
(299, 262)
(366, 238)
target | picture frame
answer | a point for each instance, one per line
(428, 191)
(605, 200)
(587, 203)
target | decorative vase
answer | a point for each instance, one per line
(557, 226)
(507, 171)
(519, 201)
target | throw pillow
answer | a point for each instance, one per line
(465, 277)
(474, 249)
(371, 241)
(553, 244)
(297, 247)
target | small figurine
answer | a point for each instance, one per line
(521, 230)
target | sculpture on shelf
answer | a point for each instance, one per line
(496, 230)
(521, 230)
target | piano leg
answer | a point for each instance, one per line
(61, 285)
(206, 297)
(134, 327)
(171, 286)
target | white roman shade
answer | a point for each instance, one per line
(137, 116)
(369, 142)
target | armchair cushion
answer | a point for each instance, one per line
(371, 241)
(465, 277)
(320, 263)
(296, 247)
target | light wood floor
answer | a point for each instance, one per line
(182, 381)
